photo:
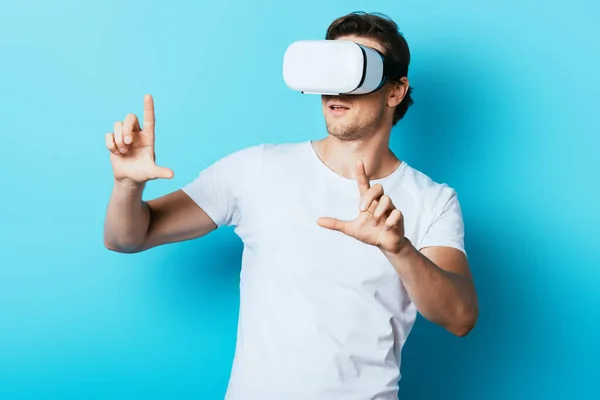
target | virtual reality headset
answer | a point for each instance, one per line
(336, 67)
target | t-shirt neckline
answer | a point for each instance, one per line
(335, 175)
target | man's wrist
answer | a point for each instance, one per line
(403, 250)
(402, 258)
(129, 185)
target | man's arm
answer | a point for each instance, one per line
(439, 281)
(133, 225)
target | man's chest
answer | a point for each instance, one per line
(279, 225)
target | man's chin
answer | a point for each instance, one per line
(344, 133)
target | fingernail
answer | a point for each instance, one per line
(363, 207)
(127, 139)
(123, 150)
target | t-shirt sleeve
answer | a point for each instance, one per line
(447, 226)
(219, 188)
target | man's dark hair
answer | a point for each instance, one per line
(381, 28)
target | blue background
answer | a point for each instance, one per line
(506, 111)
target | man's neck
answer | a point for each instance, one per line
(341, 156)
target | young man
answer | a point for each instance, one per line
(343, 242)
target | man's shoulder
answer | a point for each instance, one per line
(424, 188)
(255, 158)
(283, 148)
(270, 150)
(271, 147)
(418, 180)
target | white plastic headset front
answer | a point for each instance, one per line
(332, 67)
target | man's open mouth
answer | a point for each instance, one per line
(338, 107)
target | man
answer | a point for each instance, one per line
(343, 242)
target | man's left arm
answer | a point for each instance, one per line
(438, 277)
(438, 280)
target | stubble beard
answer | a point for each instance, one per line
(355, 131)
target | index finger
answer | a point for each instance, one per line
(361, 177)
(148, 114)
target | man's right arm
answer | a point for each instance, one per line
(133, 225)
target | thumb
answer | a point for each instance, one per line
(334, 224)
(162, 172)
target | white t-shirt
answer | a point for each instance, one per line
(322, 316)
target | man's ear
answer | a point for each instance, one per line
(398, 91)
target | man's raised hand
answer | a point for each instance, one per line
(379, 222)
(132, 148)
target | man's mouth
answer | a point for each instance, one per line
(338, 109)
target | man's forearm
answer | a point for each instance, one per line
(127, 218)
(442, 297)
